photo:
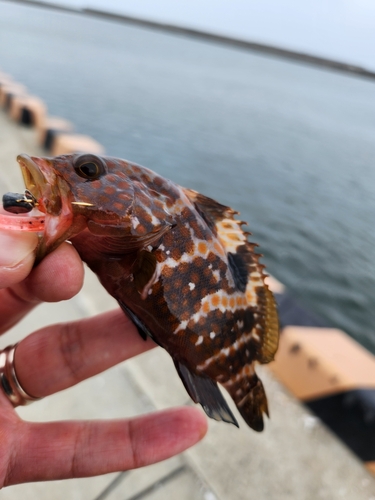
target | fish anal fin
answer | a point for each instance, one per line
(251, 400)
(206, 392)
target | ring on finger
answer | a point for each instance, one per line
(9, 381)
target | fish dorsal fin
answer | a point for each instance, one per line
(221, 218)
(249, 277)
(210, 209)
(271, 328)
(246, 270)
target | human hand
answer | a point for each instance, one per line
(59, 356)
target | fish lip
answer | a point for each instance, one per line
(42, 182)
(32, 175)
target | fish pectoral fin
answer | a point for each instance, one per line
(115, 240)
(143, 331)
(154, 236)
(144, 272)
(206, 392)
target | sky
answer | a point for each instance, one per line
(343, 30)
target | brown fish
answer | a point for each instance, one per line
(177, 262)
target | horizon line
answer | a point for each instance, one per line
(209, 36)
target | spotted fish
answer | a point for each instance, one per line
(178, 263)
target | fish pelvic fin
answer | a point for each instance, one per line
(206, 392)
(143, 331)
(249, 395)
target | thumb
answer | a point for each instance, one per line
(17, 254)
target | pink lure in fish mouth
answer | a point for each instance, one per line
(35, 184)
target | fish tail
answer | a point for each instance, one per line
(248, 393)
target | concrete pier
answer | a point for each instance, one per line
(296, 457)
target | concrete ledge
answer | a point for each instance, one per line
(274, 285)
(50, 128)
(64, 144)
(8, 90)
(27, 110)
(335, 377)
(53, 134)
(315, 362)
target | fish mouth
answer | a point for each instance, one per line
(49, 193)
(41, 182)
(32, 175)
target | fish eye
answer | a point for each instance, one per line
(89, 167)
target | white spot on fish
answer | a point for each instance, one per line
(135, 222)
(216, 275)
(200, 340)
(181, 326)
(191, 286)
(154, 221)
(225, 351)
(212, 335)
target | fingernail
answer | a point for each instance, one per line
(15, 247)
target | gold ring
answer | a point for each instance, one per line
(9, 381)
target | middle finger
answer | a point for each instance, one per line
(59, 356)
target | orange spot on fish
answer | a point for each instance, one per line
(215, 300)
(206, 307)
(118, 206)
(202, 247)
(109, 190)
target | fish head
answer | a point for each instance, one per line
(85, 192)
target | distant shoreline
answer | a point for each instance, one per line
(212, 37)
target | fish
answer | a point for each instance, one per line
(178, 263)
